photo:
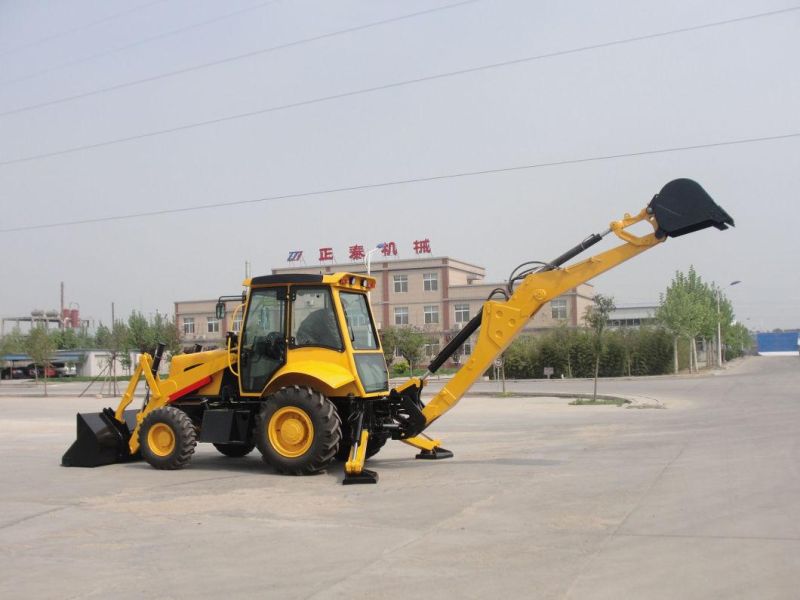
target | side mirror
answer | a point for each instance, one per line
(220, 310)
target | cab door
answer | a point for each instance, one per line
(263, 344)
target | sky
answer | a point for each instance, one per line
(110, 108)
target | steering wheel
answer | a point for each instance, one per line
(274, 344)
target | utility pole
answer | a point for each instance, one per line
(113, 355)
(368, 263)
(719, 322)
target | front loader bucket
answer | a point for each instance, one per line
(682, 206)
(102, 440)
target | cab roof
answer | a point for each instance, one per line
(336, 279)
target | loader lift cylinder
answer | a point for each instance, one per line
(157, 358)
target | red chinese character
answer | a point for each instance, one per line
(389, 249)
(325, 254)
(357, 252)
(422, 246)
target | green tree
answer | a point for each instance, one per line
(597, 320)
(688, 310)
(13, 343)
(738, 340)
(165, 330)
(102, 337)
(40, 346)
(145, 334)
(520, 357)
(120, 346)
(66, 339)
(115, 340)
(141, 334)
(407, 341)
(388, 343)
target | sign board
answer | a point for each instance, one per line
(548, 372)
(498, 362)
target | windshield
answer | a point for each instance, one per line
(359, 323)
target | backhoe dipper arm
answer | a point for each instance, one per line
(681, 207)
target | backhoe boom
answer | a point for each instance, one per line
(502, 321)
(681, 207)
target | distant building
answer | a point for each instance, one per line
(197, 322)
(784, 343)
(435, 294)
(632, 316)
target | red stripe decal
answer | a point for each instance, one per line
(190, 388)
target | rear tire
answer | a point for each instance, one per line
(167, 438)
(298, 431)
(236, 450)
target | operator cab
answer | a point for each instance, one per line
(292, 321)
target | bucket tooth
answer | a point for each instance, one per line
(101, 440)
(683, 206)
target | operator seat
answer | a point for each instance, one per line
(319, 329)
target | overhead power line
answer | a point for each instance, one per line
(371, 89)
(160, 36)
(397, 182)
(66, 32)
(234, 58)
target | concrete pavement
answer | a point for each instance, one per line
(542, 500)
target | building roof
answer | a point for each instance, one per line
(642, 311)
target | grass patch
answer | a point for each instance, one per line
(601, 401)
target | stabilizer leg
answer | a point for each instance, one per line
(431, 449)
(354, 471)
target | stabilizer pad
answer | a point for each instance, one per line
(435, 454)
(366, 476)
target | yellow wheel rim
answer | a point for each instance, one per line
(161, 439)
(290, 432)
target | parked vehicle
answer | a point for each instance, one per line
(12, 373)
(64, 369)
(35, 371)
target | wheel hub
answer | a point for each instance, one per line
(161, 439)
(290, 431)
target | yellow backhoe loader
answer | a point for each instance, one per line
(305, 379)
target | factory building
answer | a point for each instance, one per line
(437, 295)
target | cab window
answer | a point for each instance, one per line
(359, 323)
(263, 341)
(314, 319)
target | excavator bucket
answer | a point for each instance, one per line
(102, 440)
(682, 206)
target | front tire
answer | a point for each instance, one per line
(167, 438)
(298, 431)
